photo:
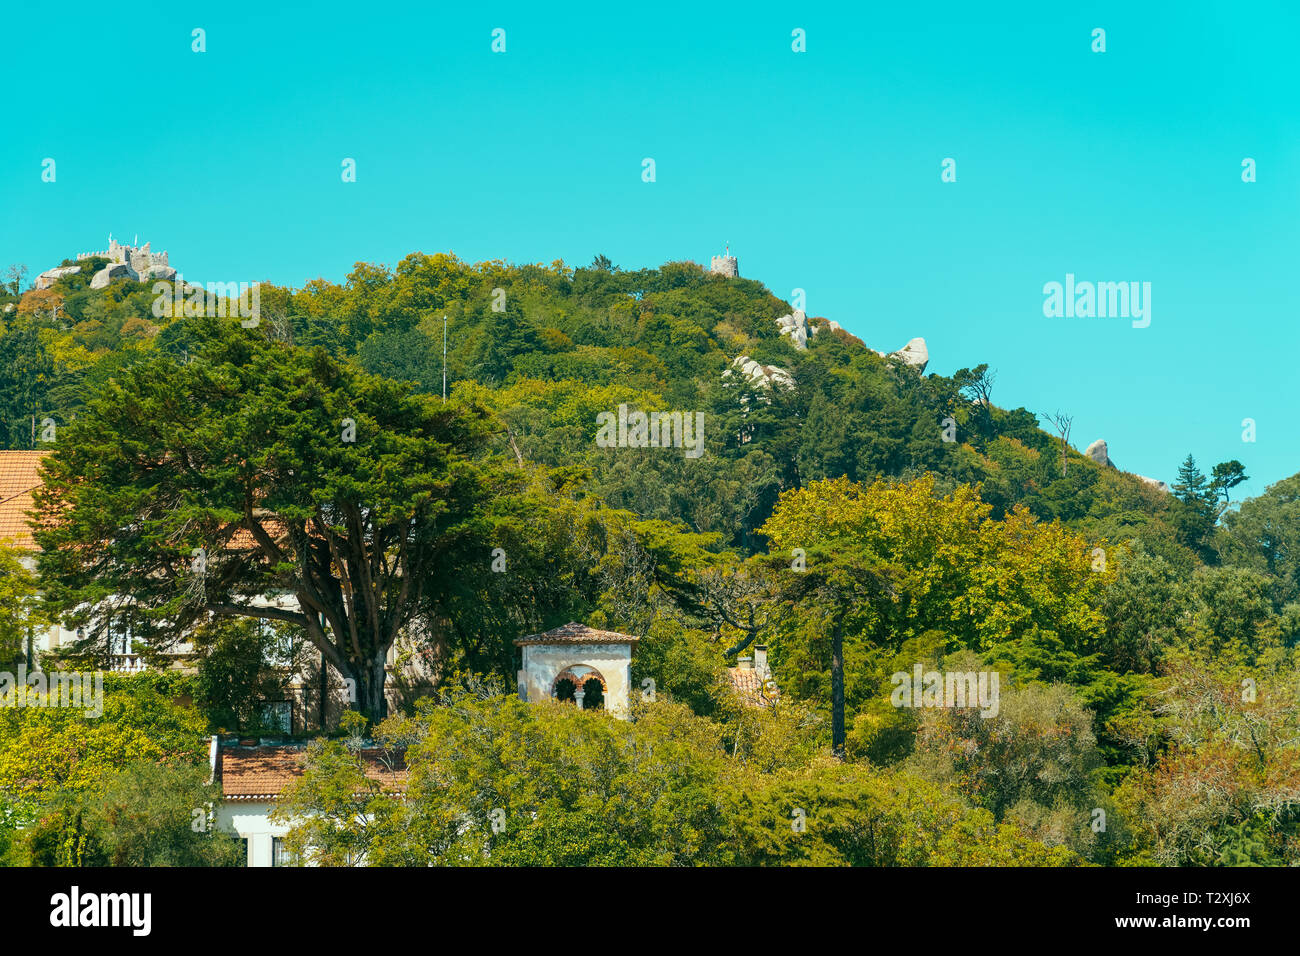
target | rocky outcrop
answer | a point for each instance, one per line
(914, 353)
(114, 270)
(764, 376)
(51, 276)
(795, 326)
(1154, 483)
(1099, 453)
(118, 270)
(166, 273)
(798, 327)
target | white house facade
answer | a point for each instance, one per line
(252, 775)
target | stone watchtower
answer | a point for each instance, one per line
(725, 265)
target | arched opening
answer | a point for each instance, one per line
(580, 682)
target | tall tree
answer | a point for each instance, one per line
(1195, 517)
(835, 570)
(881, 565)
(255, 469)
(1265, 534)
(1063, 423)
(14, 276)
(1225, 476)
(20, 612)
(977, 386)
(26, 373)
(1191, 486)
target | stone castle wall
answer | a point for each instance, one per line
(140, 259)
(725, 266)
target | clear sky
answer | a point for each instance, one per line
(822, 169)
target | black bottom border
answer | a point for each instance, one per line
(342, 905)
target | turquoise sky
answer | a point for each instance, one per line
(822, 169)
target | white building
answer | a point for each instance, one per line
(19, 478)
(578, 663)
(252, 775)
(751, 679)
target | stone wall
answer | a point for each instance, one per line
(725, 266)
(141, 259)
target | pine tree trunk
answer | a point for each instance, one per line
(837, 687)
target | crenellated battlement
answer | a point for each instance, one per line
(725, 265)
(139, 258)
(138, 263)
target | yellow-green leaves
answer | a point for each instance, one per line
(955, 568)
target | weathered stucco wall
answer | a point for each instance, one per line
(544, 662)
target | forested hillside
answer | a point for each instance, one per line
(865, 513)
(567, 344)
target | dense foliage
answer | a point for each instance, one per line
(1145, 641)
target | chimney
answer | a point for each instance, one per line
(760, 661)
(745, 663)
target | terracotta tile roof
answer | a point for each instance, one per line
(19, 477)
(243, 540)
(747, 682)
(261, 773)
(574, 633)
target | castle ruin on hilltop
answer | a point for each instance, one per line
(725, 265)
(141, 259)
(139, 263)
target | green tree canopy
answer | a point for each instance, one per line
(257, 469)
